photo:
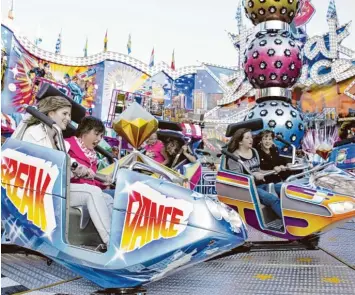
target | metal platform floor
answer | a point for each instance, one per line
(329, 270)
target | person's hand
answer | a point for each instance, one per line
(150, 154)
(90, 174)
(258, 175)
(184, 148)
(80, 171)
(289, 165)
(108, 180)
(277, 169)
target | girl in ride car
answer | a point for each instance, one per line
(241, 146)
(81, 148)
(99, 204)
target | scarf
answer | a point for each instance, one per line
(90, 154)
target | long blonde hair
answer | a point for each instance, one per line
(47, 105)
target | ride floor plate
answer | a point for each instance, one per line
(340, 242)
(269, 272)
(255, 235)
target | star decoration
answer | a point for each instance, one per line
(14, 71)
(119, 254)
(48, 235)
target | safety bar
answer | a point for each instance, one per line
(279, 138)
(146, 167)
(105, 153)
(98, 177)
(319, 167)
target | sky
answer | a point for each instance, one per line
(195, 29)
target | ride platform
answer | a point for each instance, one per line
(327, 270)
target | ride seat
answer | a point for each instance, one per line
(268, 213)
(19, 131)
(84, 216)
(81, 230)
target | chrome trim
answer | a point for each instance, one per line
(293, 154)
(274, 25)
(319, 167)
(273, 92)
(149, 168)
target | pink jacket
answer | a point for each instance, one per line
(76, 153)
(156, 149)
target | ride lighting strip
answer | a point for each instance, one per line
(100, 57)
(235, 180)
(311, 196)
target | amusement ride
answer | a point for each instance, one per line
(193, 211)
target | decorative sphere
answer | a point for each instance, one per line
(264, 10)
(282, 118)
(273, 59)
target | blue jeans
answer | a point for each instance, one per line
(270, 200)
(110, 192)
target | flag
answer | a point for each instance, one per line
(239, 16)
(38, 41)
(129, 44)
(105, 42)
(332, 11)
(10, 15)
(151, 62)
(38, 38)
(58, 45)
(86, 48)
(173, 60)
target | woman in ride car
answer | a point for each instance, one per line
(155, 150)
(241, 146)
(178, 153)
(270, 158)
(99, 204)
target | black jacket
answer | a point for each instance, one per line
(270, 161)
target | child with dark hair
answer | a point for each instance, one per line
(81, 148)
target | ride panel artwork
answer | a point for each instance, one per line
(344, 157)
(157, 226)
(159, 87)
(308, 208)
(119, 76)
(182, 94)
(31, 188)
(26, 73)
